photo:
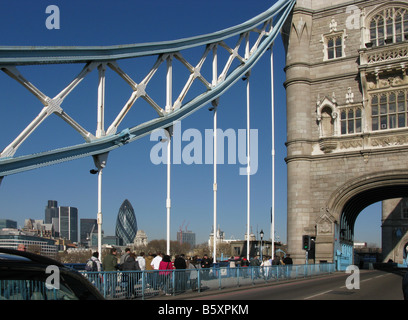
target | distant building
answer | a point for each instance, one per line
(86, 226)
(140, 239)
(187, 237)
(6, 223)
(111, 240)
(51, 211)
(68, 223)
(126, 225)
(11, 238)
(359, 245)
(64, 220)
(220, 237)
(239, 248)
(39, 228)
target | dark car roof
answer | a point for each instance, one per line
(21, 262)
(7, 254)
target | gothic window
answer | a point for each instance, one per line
(389, 110)
(389, 26)
(334, 47)
(351, 121)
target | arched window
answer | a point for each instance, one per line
(327, 122)
(389, 25)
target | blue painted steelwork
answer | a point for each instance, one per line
(345, 256)
(13, 56)
(39, 55)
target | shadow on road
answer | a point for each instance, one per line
(393, 268)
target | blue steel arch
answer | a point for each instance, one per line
(16, 56)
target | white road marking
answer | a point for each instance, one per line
(319, 294)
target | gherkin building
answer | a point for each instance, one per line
(126, 225)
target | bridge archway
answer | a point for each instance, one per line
(347, 202)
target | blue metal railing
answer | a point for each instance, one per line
(153, 283)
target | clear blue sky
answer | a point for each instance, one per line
(130, 173)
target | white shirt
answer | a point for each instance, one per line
(156, 262)
(142, 263)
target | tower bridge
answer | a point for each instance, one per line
(347, 109)
(346, 87)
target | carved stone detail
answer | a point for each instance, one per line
(389, 141)
(325, 224)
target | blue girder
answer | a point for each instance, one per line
(49, 55)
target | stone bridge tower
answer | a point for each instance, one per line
(347, 111)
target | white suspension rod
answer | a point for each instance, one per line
(273, 158)
(215, 187)
(248, 173)
(248, 153)
(168, 200)
(169, 88)
(99, 216)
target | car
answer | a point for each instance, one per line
(29, 276)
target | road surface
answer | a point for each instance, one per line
(372, 285)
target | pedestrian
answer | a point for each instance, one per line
(149, 269)
(232, 262)
(124, 256)
(266, 267)
(276, 261)
(141, 260)
(156, 265)
(194, 267)
(180, 274)
(129, 277)
(148, 261)
(156, 261)
(244, 264)
(255, 263)
(110, 264)
(206, 264)
(93, 263)
(165, 267)
(180, 262)
(130, 263)
(288, 262)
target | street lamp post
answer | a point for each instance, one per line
(261, 234)
(100, 163)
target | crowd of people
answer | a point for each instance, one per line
(164, 265)
(113, 261)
